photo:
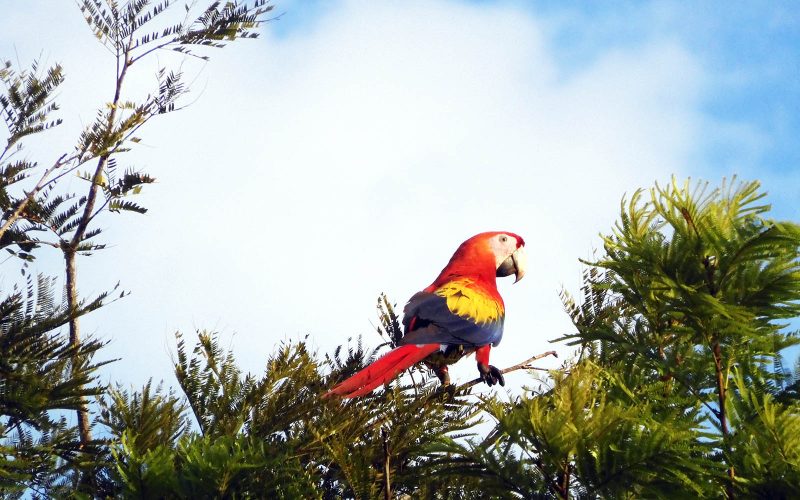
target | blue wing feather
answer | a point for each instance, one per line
(428, 320)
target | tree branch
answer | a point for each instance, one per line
(17, 213)
(525, 365)
(37, 242)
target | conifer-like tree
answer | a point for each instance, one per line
(692, 301)
(38, 213)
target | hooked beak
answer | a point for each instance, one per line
(515, 264)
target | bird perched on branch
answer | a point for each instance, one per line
(459, 313)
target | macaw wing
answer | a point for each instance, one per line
(428, 319)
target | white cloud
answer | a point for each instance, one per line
(318, 170)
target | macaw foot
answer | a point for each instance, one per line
(491, 374)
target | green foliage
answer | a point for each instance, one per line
(767, 443)
(28, 101)
(696, 286)
(150, 417)
(273, 433)
(41, 375)
(339, 445)
(587, 436)
(696, 270)
(155, 453)
(206, 467)
(219, 398)
(129, 33)
(120, 28)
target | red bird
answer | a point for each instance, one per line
(460, 312)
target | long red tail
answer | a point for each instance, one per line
(382, 370)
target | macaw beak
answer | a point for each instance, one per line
(515, 264)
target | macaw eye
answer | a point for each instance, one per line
(503, 239)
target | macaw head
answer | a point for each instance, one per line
(509, 253)
(485, 255)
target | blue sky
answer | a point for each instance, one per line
(371, 138)
(750, 50)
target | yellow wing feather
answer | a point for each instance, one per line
(468, 302)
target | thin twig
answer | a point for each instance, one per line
(525, 365)
(15, 215)
(387, 486)
(36, 242)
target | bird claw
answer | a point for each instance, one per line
(491, 375)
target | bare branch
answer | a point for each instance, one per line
(524, 365)
(37, 242)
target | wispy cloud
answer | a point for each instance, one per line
(330, 163)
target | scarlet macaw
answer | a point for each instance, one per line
(460, 312)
